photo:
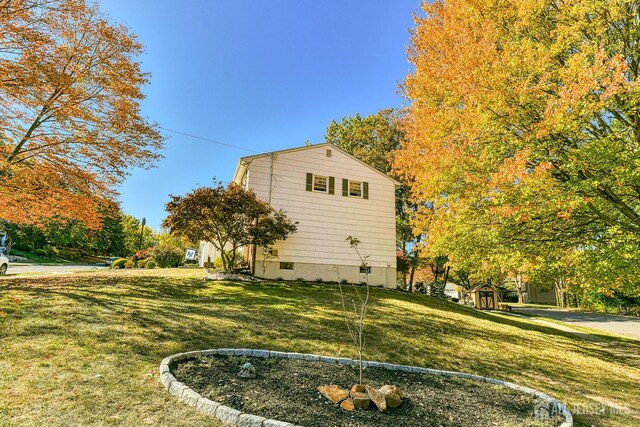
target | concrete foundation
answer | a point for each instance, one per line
(379, 276)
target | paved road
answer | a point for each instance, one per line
(622, 325)
(21, 268)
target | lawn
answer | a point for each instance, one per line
(84, 349)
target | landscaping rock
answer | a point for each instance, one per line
(360, 400)
(334, 393)
(358, 388)
(377, 398)
(392, 395)
(348, 404)
(247, 371)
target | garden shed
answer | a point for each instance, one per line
(484, 297)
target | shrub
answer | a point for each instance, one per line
(167, 256)
(41, 252)
(24, 247)
(142, 254)
(141, 263)
(150, 263)
(318, 279)
(69, 255)
(129, 263)
(119, 263)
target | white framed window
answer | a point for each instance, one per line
(320, 183)
(355, 189)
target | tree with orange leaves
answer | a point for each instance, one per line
(524, 129)
(70, 120)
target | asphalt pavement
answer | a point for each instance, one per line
(627, 326)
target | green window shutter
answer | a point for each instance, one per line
(309, 181)
(332, 184)
(365, 190)
(345, 187)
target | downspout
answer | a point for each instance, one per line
(264, 250)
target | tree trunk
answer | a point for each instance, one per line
(411, 277)
(519, 288)
(560, 295)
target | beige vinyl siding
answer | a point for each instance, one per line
(325, 220)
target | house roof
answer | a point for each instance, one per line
(247, 159)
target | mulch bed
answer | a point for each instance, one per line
(286, 390)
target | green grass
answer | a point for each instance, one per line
(85, 349)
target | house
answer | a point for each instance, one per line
(332, 195)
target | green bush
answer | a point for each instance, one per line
(41, 252)
(141, 263)
(23, 247)
(69, 255)
(167, 256)
(150, 263)
(119, 263)
(129, 263)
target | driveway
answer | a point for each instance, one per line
(622, 325)
(22, 268)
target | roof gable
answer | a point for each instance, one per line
(313, 146)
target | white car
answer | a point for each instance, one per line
(4, 263)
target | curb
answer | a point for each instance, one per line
(232, 417)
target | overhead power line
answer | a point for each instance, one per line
(208, 140)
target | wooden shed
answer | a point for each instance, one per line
(484, 297)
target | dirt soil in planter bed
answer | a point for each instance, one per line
(286, 390)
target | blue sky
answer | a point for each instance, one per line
(259, 74)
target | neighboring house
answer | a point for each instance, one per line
(332, 195)
(538, 295)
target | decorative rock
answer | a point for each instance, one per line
(358, 388)
(348, 405)
(360, 400)
(334, 393)
(392, 395)
(247, 371)
(377, 398)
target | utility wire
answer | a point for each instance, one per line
(208, 140)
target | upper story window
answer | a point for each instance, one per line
(320, 183)
(355, 189)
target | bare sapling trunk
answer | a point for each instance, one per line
(355, 311)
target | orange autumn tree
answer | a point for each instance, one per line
(70, 120)
(524, 131)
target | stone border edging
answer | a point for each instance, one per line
(232, 417)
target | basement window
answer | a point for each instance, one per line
(286, 266)
(365, 269)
